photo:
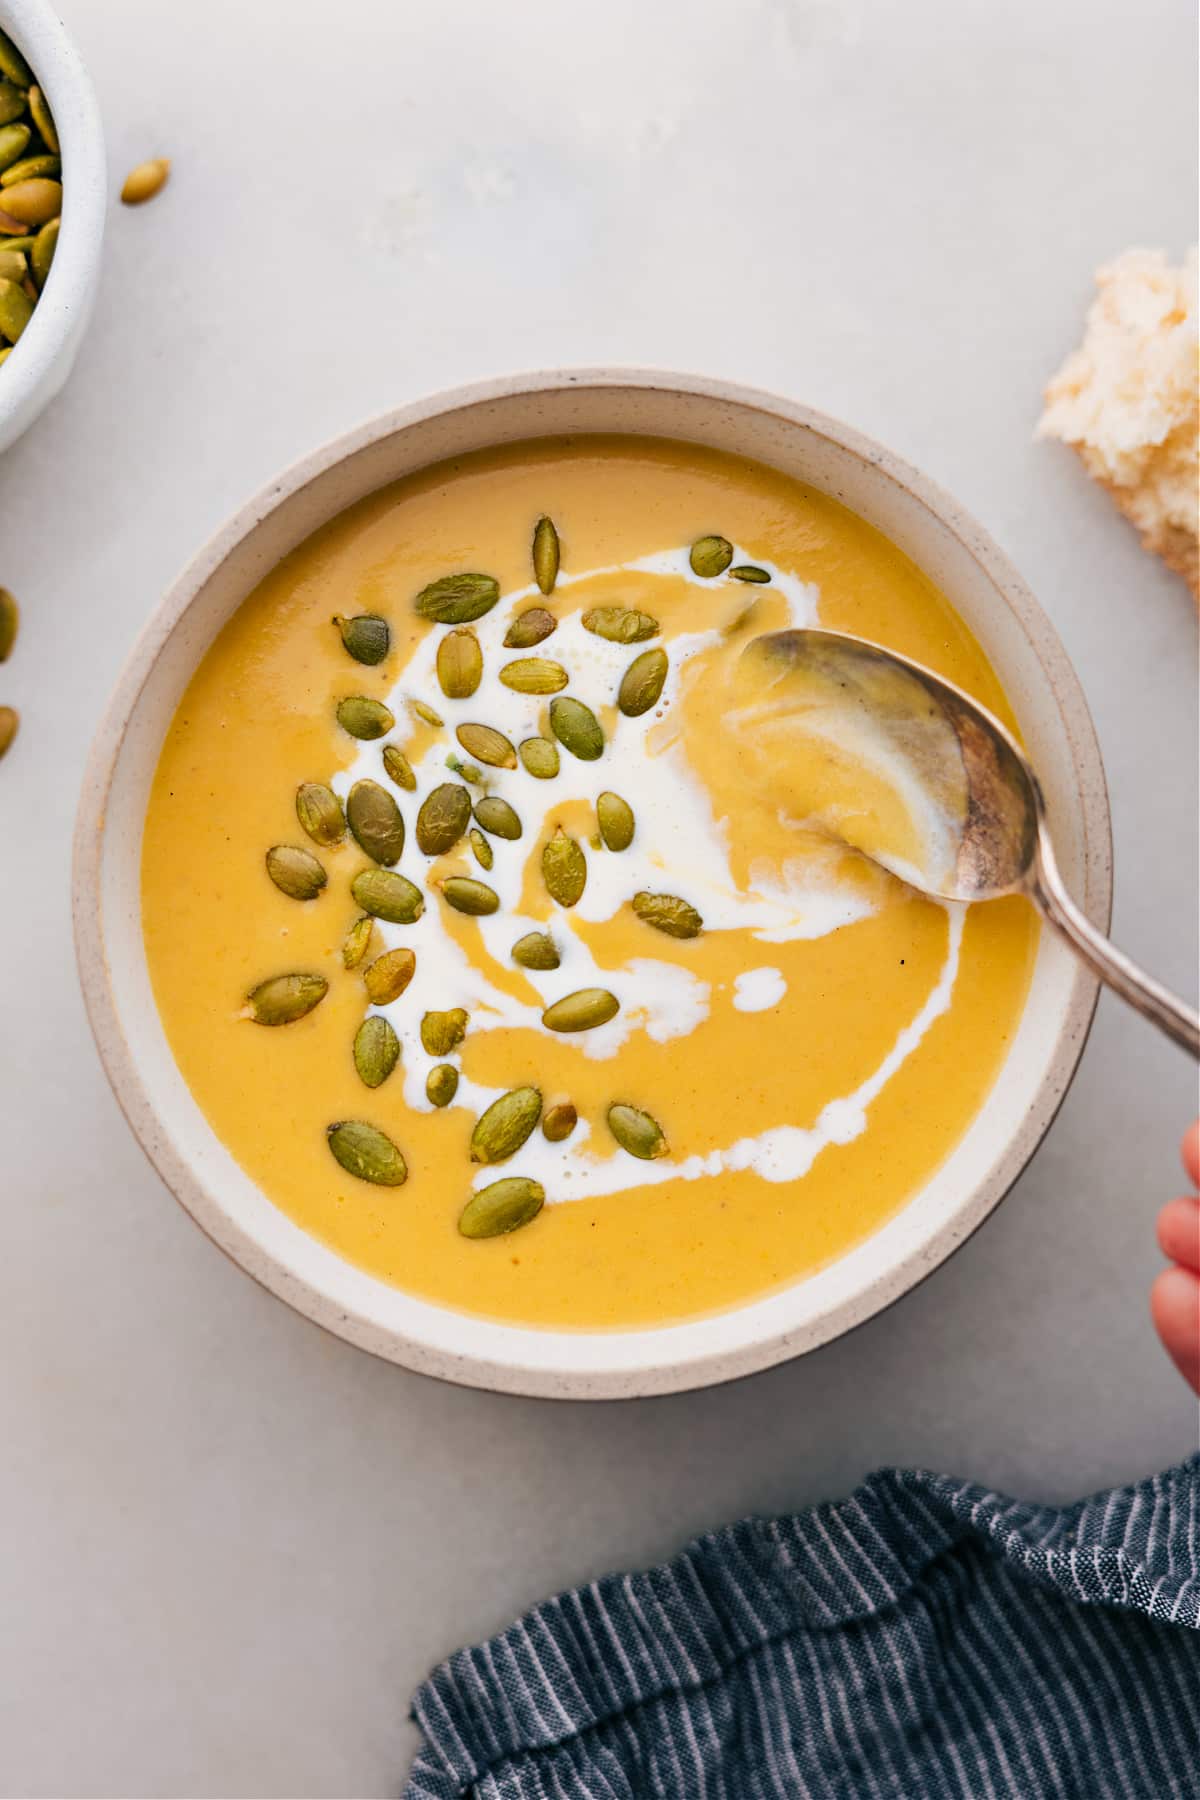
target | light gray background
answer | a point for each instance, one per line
(230, 1545)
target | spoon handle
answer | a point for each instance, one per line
(1114, 968)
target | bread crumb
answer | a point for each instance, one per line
(1127, 401)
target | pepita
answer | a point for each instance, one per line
(531, 627)
(559, 1121)
(426, 714)
(296, 873)
(10, 720)
(668, 913)
(620, 624)
(386, 895)
(29, 167)
(545, 554)
(443, 1032)
(320, 813)
(642, 683)
(376, 1050)
(749, 572)
(441, 1084)
(577, 728)
(42, 254)
(615, 818)
(534, 675)
(458, 599)
(10, 619)
(283, 999)
(12, 102)
(459, 664)
(363, 717)
(582, 1010)
(16, 310)
(480, 848)
(503, 1206)
(503, 1128)
(540, 757)
(637, 1132)
(536, 950)
(35, 201)
(366, 636)
(43, 118)
(564, 869)
(466, 895)
(444, 816)
(365, 1151)
(146, 180)
(14, 141)
(13, 66)
(375, 821)
(491, 747)
(466, 771)
(357, 942)
(387, 977)
(498, 817)
(398, 767)
(710, 556)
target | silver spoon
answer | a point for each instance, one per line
(998, 842)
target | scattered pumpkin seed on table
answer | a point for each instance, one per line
(441, 1084)
(366, 636)
(9, 722)
(529, 628)
(10, 619)
(365, 1151)
(295, 872)
(503, 1128)
(502, 1207)
(387, 977)
(145, 181)
(545, 554)
(376, 1050)
(283, 999)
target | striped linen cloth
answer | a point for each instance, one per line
(922, 1638)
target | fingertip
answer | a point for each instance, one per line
(1179, 1231)
(1175, 1309)
(1190, 1152)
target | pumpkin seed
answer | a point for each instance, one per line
(582, 1010)
(545, 554)
(29, 167)
(459, 664)
(374, 818)
(481, 848)
(540, 757)
(457, 599)
(11, 228)
(320, 812)
(710, 556)
(465, 771)
(620, 624)
(749, 572)
(386, 895)
(16, 310)
(14, 141)
(367, 1152)
(503, 1128)
(577, 728)
(442, 1032)
(296, 873)
(357, 942)
(491, 747)
(366, 636)
(387, 977)
(503, 1206)
(668, 913)
(13, 66)
(10, 719)
(43, 118)
(10, 618)
(615, 818)
(536, 950)
(466, 895)
(363, 717)
(441, 1084)
(564, 869)
(18, 246)
(534, 675)
(426, 714)
(376, 1050)
(33, 202)
(642, 683)
(12, 102)
(531, 627)
(498, 817)
(146, 180)
(637, 1132)
(559, 1121)
(283, 999)
(444, 816)
(398, 767)
(42, 254)
(14, 265)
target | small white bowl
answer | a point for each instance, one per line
(42, 358)
(240, 1218)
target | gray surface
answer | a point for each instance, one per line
(232, 1545)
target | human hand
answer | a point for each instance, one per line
(1175, 1296)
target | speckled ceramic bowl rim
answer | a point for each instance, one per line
(587, 1364)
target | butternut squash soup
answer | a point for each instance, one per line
(489, 922)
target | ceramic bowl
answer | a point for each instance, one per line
(42, 359)
(223, 1200)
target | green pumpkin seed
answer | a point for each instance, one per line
(426, 714)
(465, 771)
(498, 817)
(42, 255)
(668, 913)
(534, 675)
(296, 873)
(357, 942)
(33, 202)
(443, 1032)
(457, 599)
(749, 572)
(29, 168)
(376, 1050)
(10, 720)
(441, 1084)
(14, 141)
(531, 627)
(146, 180)
(459, 664)
(504, 1206)
(710, 556)
(444, 816)
(564, 869)
(10, 619)
(620, 624)
(545, 554)
(559, 1121)
(637, 1132)
(43, 118)
(374, 819)
(536, 950)
(504, 1127)
(386, 895)
(14, 264)
(367, 1152)
(387, 977)
(491, 747)
(366, 636)
(284, 998)
(582, 1010)
(466, 895)
(615, 819)
(398, 768)
(320, 812)
(12, 102)
(481, 848)
(540, 758)
(16, 310)
(13, 66)
(642, 683)
(363, 717)
(577, 728)
(21, 246)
